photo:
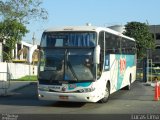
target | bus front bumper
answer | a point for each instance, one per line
(74, 97)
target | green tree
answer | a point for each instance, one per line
(12, 31)
(14, 16)
(140, 32)
(22, 10)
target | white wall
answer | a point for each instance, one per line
(17, 70)
(3, 71)
(1, 52)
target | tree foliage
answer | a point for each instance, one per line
(12, 32)
(14, 16)
(140, 32)
(22, 10)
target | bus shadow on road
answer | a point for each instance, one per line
(21, 100)
(69, 104)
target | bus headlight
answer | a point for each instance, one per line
(84, 90)
(43, 88)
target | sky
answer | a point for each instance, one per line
(97, 12)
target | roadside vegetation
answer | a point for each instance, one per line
(27, 78)
(15, 16)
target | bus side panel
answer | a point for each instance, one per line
(113, 72)
(121, 67)
(129, 70)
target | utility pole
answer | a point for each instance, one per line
(33, 38)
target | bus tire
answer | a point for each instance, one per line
(128, 87)
(107, 94)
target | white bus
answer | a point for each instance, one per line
(84, 64)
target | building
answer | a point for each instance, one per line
(23, 52)
(155, 54)
(155, 30)
(118, 28)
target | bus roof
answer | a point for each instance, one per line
(87, 28)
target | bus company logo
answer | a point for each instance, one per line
(64, 88)
(72, 86)
(122, 65)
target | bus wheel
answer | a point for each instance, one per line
(107, 94)
(128, 87)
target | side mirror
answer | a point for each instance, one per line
(96, 55)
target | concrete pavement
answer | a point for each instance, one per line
(7, 87)
(13, 85)
(151, 83)
(138, 100)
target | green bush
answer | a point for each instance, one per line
(28, 78)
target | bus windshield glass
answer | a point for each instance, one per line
(68, 39)
(60, 64)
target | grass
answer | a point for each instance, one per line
(27, 78)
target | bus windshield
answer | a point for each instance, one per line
(64, 39)
(66, 64)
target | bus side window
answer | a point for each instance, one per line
(112, 43)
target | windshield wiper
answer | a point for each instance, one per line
(72, 71)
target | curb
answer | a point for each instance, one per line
(151, 84)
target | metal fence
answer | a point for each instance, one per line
(139, 71)
(146, 71)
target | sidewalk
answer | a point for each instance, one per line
(151, 83)
(13, 86)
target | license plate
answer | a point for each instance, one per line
(63, 97)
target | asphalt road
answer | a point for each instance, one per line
(139, 100)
